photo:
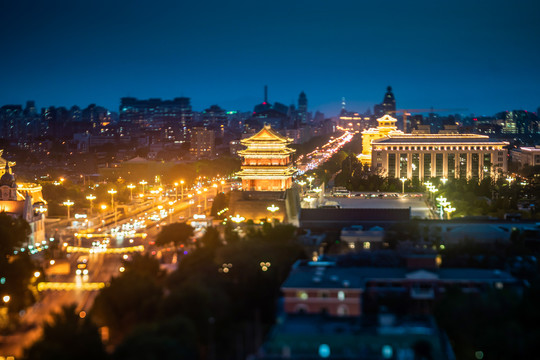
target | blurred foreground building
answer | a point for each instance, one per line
(22, 200)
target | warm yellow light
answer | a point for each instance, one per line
(112, 191)
(238, 219)
(37, 274)
(6, 298)
(103, 206)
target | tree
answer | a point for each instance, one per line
(68, 337)
(144, 265)
(211, 238)
(130, 299)
(171, 339)
(14, 232)
(220, 202)
(177, 233)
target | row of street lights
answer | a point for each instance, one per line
(91, 197)
(444, 204)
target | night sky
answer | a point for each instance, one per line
(479, 55)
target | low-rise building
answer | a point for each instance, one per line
(326, 287)
(448, 156)
(357, 238)
(25, 202)
(526, 156)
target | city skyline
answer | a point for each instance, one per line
(441, 55)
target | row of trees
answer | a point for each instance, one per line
(218, 303)
(16, 271)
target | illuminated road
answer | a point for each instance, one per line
(102, 266)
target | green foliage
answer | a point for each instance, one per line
(16, 269)
(144, 265)
(13, 233)
(168, 340)
(19, 273)
(211, 238)
(499, 323)
(221, 201)
(129, 300)
(230, 234)
(68, 337)
(176, 233)
(237, 298)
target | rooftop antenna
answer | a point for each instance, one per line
(266, 93)
(343, 103)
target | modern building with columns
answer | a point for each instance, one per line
(450, 156)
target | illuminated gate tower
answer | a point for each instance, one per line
(267, 162)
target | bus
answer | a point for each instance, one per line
(340, 191)
(82, 265)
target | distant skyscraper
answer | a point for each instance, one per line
(302, 108)
(203, 143)
(388, 106)
(265, 104)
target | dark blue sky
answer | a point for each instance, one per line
(475, 54)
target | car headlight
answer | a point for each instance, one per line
(85, 271)
(78, 272)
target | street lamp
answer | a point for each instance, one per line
(444, 180)
(112, 192)
(68, 203)
(449, 209)
(91, 198)
(131, 187)
(143, 182)
(403, 184)
(238, 219)
(302, 183)
(273, 208)
(181, 189)
(310, 179)
(176, 191)
(190, 202)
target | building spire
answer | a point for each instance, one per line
(265, 94)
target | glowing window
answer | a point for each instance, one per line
(341, 295)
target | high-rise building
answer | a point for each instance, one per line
(388, 105)
(302, 108)
(518, 122)
(11, 121)
(203, 143)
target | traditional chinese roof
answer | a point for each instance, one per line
(266, 172)
(266, 136)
